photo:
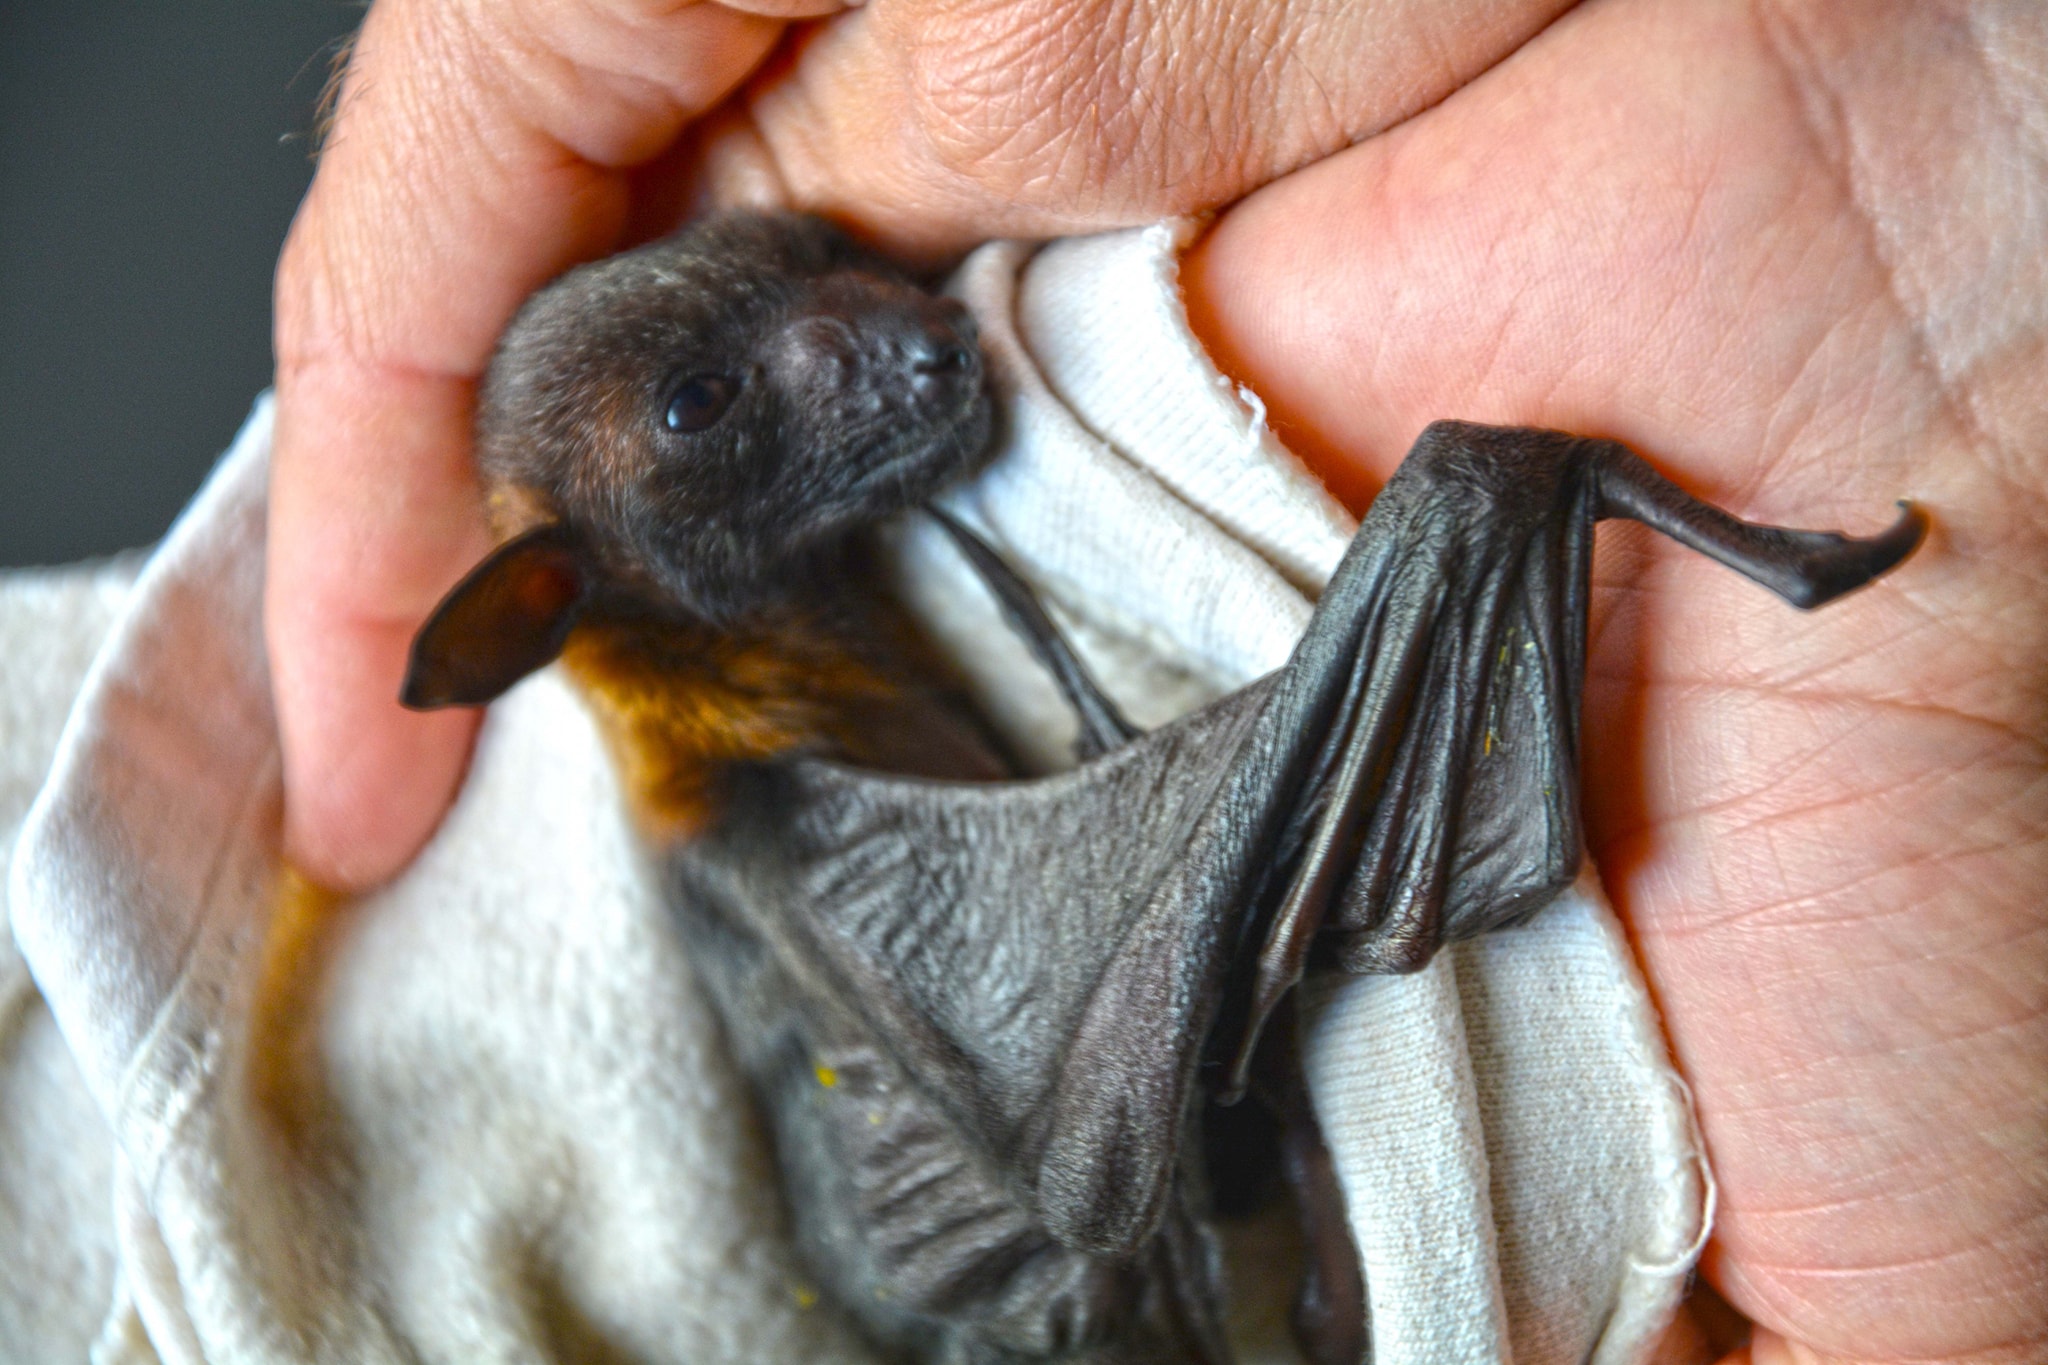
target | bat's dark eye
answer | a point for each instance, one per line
(699, 401)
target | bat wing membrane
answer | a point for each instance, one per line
(1048, 959)
(1051, 962)
(1032, 954)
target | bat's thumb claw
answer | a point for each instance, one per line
(1848, 562)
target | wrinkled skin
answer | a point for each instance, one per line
(1790, 250)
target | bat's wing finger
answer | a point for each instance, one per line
(1446, 800)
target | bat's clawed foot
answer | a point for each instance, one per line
(1834, 564)
(1806, 568)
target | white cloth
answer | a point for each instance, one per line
(56, 1154)
(484, 1115)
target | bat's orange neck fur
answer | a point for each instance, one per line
(678, 703)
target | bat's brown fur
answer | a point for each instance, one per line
(679, 704)
(676, 707)
(680, 700)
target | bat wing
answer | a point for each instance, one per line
(1051, 961)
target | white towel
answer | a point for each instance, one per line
(484, 1115)
(56, 1154)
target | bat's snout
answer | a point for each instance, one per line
(942, 357)
(870, 343)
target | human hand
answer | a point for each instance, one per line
(479, 149)
(1793, 252)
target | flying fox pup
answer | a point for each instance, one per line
(984, 1015)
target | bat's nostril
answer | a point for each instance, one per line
(941, 342)
(943, 359)
(943, 367)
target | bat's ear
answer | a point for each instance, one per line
(506, 618)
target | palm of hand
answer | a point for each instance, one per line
(1727, 236)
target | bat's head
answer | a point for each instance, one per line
(692, 427)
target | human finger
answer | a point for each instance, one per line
(476, 151)
(935, 126)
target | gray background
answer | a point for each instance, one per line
(151, 155)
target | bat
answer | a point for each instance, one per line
(992, 1020)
